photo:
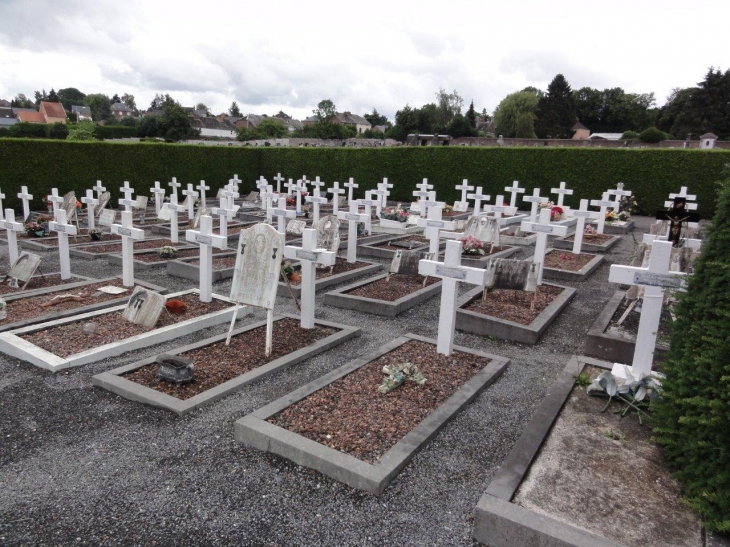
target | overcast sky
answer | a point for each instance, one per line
(284, 55)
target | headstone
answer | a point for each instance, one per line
(499, 208)
(207, 240)
(282, 213)
(279, 179)
(99, 189)
(24, 267)
(12, 227)
(173, 209)
(69, 204)
(461, 206)
(225, 213)
(174, 184)
(26, 198)
(478, 198)
(406, 262)
(103, 201)
(295, 227)
(300, 188)
(328, 233)
(316, 200)
(514, 190)
(483, 228)
(368, 205)
(129, 234)
(107, 217)
(433, 225)
(144, 307)
(252, 197)
(199, 213)
(353, 217)
(543, 228)
(55, 200)
(423, 193)
(63, 229)
(515, 275)
(350, 185)
(140, 203)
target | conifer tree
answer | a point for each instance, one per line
(556, 110)
(471, 115)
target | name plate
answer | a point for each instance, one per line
(377, 192)
(620, 192)
(205, 240)
(496, 209)
(367, 202)
(279, 212)
(129, 202)
(541, 228)
(658, 280)
(124, 232)
(585, 214)
(307, 255)
(352, 216)
(454, 273)
(604, 204)
(435, 223)
(317, 200)
(533, 199)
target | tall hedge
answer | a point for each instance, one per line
(693, 418)
(652, 174)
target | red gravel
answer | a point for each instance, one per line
(138, 245)
(351, 416)
(216, 364)
(596, 239)
(566, 260)
(341, 266)
(69, 339)
(398, 286)
(415, 239)
(514, 305)
(38, 282)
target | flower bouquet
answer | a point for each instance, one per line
(472, 246)
(397, 214)
(34, 229)
(556, 213)
(290, 201)
(167, 252)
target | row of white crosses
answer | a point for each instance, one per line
(207, 240)
(316, 199)
(353, 217)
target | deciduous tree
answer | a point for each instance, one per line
(510, 109)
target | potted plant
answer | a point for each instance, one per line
(556, 213)
(34, 229)
(95, 234)
(167, 252)
(290, 273)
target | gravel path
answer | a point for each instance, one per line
(81, 466)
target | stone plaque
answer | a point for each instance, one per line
(406, 262)
(328, 233)
(542, 228)
(103, 201)
(25, 266)
(107, 217)
(295, 227)
(69, 204)
(461, 206)
(199, 213)
(144, 307)
(412, 220)
(415, 207)
(453, 273)
(141, 202)
(124, 231)
(165, 214)
(306, 255)
(434, 223)
(204, 240)
(483, 228)
(517, 275)
(258, 266)
(253, 196)
(650, 279)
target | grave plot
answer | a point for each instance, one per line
(343, 425)
(184, 223)
(189, 268)
(395, 227)
(342, 271)
(51, 242)
(471, 256)
(581, 477)
(513, 235)
(157, 258)
(220, 370)
(617, 227)
(74, 298)
(592, 242)
(388, 248)
(40, 282)
(103, 250)
(81, 339)
(567, 266)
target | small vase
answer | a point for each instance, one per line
(50, 208)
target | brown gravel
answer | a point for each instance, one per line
(30, 308)
(216, 364)
(69, 339)
(351, 416)
(38, 282)
(597, 239)
(341, 266)
(514, 305)
(566, 260)
(183, 253)
(398, 286)
(138, 245)
(411, 239)
(220, 263)
(82, 239)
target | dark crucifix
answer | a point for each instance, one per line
(677, 215)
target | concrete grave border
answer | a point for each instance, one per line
(387, 228)
(75, 311)
(611, 347)
(389, 308)
(80, 252)
(370, 249)
(115, 382)
(500, 523)
(12, 344)
(564, 244)
(529, 239)
(487, 325)
(325, 282)
(481, 262)
(181, 267)
(566, 275)
(83, 279)
(116, 259)
(255, 431)
(614, 230)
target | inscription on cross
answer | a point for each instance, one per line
(353, 217)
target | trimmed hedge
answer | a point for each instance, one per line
(650, 173)
(114, 132)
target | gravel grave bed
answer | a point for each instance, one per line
(515, 305)
(51, 239)
(400, 285)
(184, 253)
(216, 364)
(630, 326)
(220, 263)
(138, 245)
(69, 339)
(28, 308)
(38, 282)
(597, 239)
(341, 266)
(352, 416)
(566, 260)
(488, 250)
(419, 240)
(81, 239)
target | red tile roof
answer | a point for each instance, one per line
(53, 110)
(32, 117)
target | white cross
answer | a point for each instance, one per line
(282, 213)
(91, 203)
(385, 186)
(430, 201)
(316, 199)
(374, 197)
(128, 202)
(231, 194)
(353, 217)
(619, 192)
(309, 256)
(514, 190)
(279, 179)
(174, 184)
(235, 181)
(683, 194)
(175, 208)
(202, 187)
(561, 192)
(581, 214)
(99, 189)
(290, 186)
(464, 187)
(451, 271)
(299, 188)
(543, 228)
(654, 279)
(2, 197)
(336, 192)
(11, 226)
(603, 203)
(499, 208)
(129, 234)
(261, 183)
(26, 198)
(56, 200)
(64, 229)
(424, 186)
(190, 196)
(225, 212)
(267, 196)
(478, 198)
(207, 240)
(159, 196)
(433, 225)
(350, 185)
(534, 199)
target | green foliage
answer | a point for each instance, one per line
(128, 99)
(81, 134)
(525, 126)
(509, 111)
(325, 110)
(100, 106)
(70, 96)
(58, 131)
(234, 110)
(29, 130)
(706, 108)
(459, 126)
(324, 130)
(375, 118)
(556, 110)
(629, 136)
(652, 135)
(21, 101)
(114, 132)
(271, 128)
(691, 421)
(583, 380)
(614, 110)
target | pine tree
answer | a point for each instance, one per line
(471, 115)
(556, 110)
(693, 418)
(234, 110)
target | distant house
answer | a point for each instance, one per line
(200, 113)
(707, 140)
(6, 111)
(352, 120)
(31, 116)
(83, 112)
(53, 112)
(7, 122)
(380, 128)
(214, 127)
(4, 103)
(606, 136)
(120, 110)
(311, 120)
(581, 132)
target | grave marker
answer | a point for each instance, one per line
(282, 213)
(99, 189)
(603, 203)
(561, 192)
(279, 179)
(56, 200)
(91, 203)
(173, 208)
(23, 268)
(144, 306)
(159, 196)
(207, 240)
(26, 198)
(190, 196)
(499, 208)
(515, 275)
(406, 262)
(328, 233)
(385, 188)
(534, 199)
(129, 234)
(316, 200)
(433, 224)
(367, 204)
(128, 202)
(543, 228)
(514, 190)
(295, 227)
(350, 185)
(202, 188)
(12, 227)
(336, 192)
(619, 192)
(464, 187)
(353, 217)
(581, 214)
(478, 197)
(300, 188)
(225, 213)
(174, 184)
(103, 201)
(63, 229)
(108, 217)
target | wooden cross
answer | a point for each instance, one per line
(353, 217)
(336, 192)
(56, 200)
(279, 179)
(11, 227)
(128, 202)
(499, 208)
(350, 185)
(207, 240)
(129, 234)
(581, 214)
(433, 225)
(655, 279)
(309, 256)
(478, 198)
(514, 190)
(91, 203)
(543, 228)
(175, 209)
(561, 192)
(464, 187)
(603, 203)
(225, 212)
(190, 196)
(202, 187)
(26, 198)
(64, 229)
(282, 213)
(174, 184)
(159, 196)
(534, 199)
(316, 200)
(99, 189)
(451, 272)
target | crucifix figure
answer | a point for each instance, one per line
(336, 192)
(279, 179)
(91, 203)
(127, 202)
(159, 196)
(26, 198)
(603, 203)
(543, 228)
(202, 188)
(64, 229)
(174, 210)
(282, 213)
(677, 215)
(12, 227)
(534, 199)
(433, 225)
(353, 217)
(514, 190)
(478, 198)
(190, 197)
(129, 234)
(207, 240)
(350, 185)
(561, 192)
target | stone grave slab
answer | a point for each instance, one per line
(370, 248)
(81, 250)
(144, 307)
(23, 268)
(567, 243)
(141, 264)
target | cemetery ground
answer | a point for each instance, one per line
(80, 465)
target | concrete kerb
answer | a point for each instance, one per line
(614, 229)
(507, 237)
(116, 259)
(340, 298)
(486, 325)
(565, 243)
(366, 240)
(567, 275)
(12, 344)
(370, 248)
(182, 267)
(385, 227)
(254, 430)
(323, 283)
(500, 523)
(81, 251)
(52, 316)
(82, 280)
(611, 347)
(481, 262)
(115, 382)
